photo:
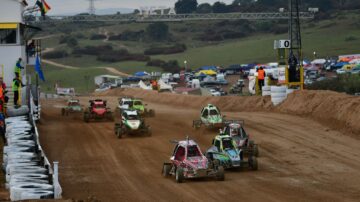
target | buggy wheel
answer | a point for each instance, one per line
(196, 125)
(253, 164)
(166, 170)
(63, 112)
(148, 132)
(119, 133)
(220, 174)
(86, 117)
(179, 175)
(256, 150)
(152, 113)
(109, 116)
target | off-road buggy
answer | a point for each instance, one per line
(98, 111)
(134, 104)
(73, 106)
(210, 117)
(131, 123)
(235, 128)
(188, 162)
(224, 145)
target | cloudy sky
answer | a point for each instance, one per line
(78, 6)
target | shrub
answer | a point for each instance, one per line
(72, 42)
(350, 38)
(93, 50)
(171, 66)
(97, 37)
(115, 37)
(55, 54)
(177, 48)
(132, 36)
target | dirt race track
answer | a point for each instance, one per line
(300, 160)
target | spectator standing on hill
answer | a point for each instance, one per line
(261, 77)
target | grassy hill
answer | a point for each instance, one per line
(335, 36)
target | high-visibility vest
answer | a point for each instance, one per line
(261, 74)
(1, 92)
(17, 69)
(15, 87)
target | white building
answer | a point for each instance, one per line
(12, 43)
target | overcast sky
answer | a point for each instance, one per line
(78, 6)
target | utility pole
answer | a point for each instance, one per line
(92, 8)
(295, 60)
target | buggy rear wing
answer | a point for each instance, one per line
(129, 97)
(241, 122)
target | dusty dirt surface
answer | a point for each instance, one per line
(300, 159)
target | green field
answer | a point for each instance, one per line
(340, 35)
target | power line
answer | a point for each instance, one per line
(92, 8)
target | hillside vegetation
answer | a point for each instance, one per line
(203, 43)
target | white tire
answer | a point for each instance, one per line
(23, 110)
(17, 190)
(278, 95)
(27, 170)
(42, 194)
(289, 91)
(20, 165)
(277, 100)
(278, 89)
(17, 181)
(266, 93)
(266, 88)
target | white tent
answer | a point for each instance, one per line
(144, 86)
(318, 61)
(164, 86)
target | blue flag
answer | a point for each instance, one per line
(38, 68)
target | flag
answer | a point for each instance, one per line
(46, 6)
(38, 68)
(43, 6)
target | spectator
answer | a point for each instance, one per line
(261, 77)
(16, 86)
(18, 68)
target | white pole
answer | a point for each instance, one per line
(57, 187)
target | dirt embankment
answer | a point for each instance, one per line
(336, 110)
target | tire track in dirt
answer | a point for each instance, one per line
(295, 164)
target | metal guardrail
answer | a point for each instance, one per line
(53, 171)
(167, 17)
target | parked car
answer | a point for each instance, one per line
(356, 70)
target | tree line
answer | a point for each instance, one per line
(192, 6)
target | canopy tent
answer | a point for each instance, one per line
(345, 59)
(207, 72)
(318, 61)
(144, 86)
(163, 86)
(141, 74)
(235, 67)
(214, 68)
(201, 75)
(355, 61)
(340, 64)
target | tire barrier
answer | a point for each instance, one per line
(278, 93)
(29, 175)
